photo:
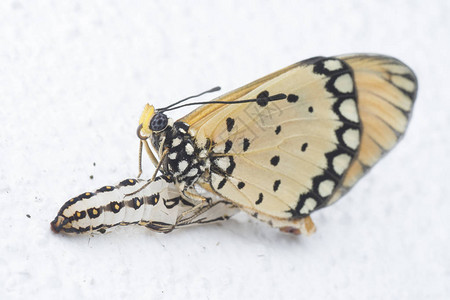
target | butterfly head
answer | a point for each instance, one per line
(151, 121)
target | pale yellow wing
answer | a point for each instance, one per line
(287, 158)
(291, 157)
(386, 91)
(199, 116)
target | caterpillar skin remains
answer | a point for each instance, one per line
(156, 205)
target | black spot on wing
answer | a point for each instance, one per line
(246, 144)
(275, 160)
(221, 183)
(260, 199)
(230, 124)
(291, 98)
(276, 185)
(230, 169)
(304, 146)
(228, 145)
(278, 130)
(262, 99)
(263, 94)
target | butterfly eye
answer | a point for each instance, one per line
(159, 122)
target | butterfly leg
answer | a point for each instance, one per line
(199, 208)
(149, 153)
(187, 216)
(158, 166)
(207, 212)
(160, 227)
(189, 213)
(200, 205)
(194, 197)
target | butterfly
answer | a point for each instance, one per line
(285, 145)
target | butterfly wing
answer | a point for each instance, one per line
(386, 90)
(288, 158)
(200, 115)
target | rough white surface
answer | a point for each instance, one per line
(74, 76)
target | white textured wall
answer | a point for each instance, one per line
(74, 76)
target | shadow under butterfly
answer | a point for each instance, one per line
(278, 148)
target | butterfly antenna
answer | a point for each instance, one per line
(261, 101)
(214, 89)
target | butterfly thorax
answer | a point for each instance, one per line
(184, 162)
